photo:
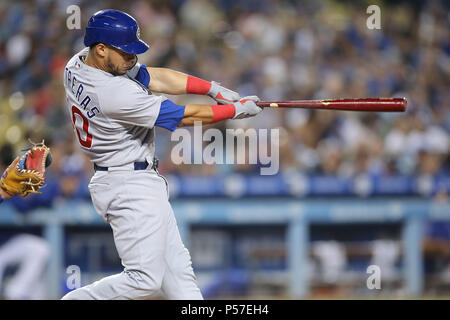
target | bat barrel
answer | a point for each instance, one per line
(362, 105)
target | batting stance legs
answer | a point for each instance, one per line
(135, 204)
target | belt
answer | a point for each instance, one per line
(137, 165)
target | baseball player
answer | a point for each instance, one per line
(114, 114)
(25, 175)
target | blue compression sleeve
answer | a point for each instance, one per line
(170, 115)
(143, 76)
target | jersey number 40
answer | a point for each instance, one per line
(87, 143)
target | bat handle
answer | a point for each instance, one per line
(264, 104)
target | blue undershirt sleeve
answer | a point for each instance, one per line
(170, 115)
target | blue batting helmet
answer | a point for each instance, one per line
(117, 29)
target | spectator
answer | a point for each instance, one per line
(267, 50)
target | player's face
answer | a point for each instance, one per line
(118, 62)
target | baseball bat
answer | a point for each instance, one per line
(364, 105)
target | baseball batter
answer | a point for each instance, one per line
(114, 114)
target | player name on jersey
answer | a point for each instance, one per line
(71, 82)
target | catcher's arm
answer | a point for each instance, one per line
(4, 195)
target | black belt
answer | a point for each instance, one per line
(137, 165)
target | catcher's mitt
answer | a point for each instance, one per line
(26, 174)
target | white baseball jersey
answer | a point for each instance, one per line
(113, 117)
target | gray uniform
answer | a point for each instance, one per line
(113, 118)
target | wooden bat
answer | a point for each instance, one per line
(364, 105)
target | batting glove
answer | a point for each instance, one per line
(222, 95)
(246, 107)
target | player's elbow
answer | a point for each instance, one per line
(156, 86)
(159, 81)
(191, 121)
(185, 122)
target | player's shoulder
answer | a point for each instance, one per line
(121, 91)
(118, 87)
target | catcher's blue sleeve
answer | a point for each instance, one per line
(1, 199)
(170, 115)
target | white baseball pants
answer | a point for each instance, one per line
(135, 203)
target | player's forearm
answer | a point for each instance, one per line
(206, 114)
(167, 81)
(196, 112)
(244, 108)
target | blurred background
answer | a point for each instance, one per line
(353, 189)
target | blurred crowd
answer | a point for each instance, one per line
(278, 50)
